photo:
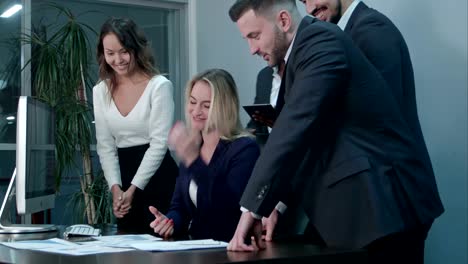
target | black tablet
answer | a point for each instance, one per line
(265, 110)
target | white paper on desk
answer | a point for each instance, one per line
(39, 244)
(81, 250)
(180, 245)
(121, 241)
(60, 246)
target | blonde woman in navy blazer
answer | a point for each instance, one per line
(217, 157)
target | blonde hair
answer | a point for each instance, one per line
(223, 114)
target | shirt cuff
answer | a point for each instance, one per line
(254, 215)
(281, 207)
(111, 183)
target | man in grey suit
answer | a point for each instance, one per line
(363, 181)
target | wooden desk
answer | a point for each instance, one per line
(276, 252)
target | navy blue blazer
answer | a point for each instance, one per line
(220, 187)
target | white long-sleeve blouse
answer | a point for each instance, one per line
(148, 122)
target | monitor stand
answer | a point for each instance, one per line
(18, 228)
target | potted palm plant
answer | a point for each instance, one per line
(59, 70)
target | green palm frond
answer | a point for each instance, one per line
(60, 61)
(103, 199)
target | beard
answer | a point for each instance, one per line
(280, 48)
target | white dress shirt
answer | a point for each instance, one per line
(148, 122)
(193, 190)
(347, 14)
(275, 86)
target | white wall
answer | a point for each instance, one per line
(436, 34)
(220, 45)
(438, 46)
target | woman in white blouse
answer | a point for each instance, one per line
(133, 109)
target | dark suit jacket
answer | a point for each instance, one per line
(363, 176)
(291, 223)
(262, 96)
(384, 46)
(220, 186)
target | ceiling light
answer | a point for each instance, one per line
(11, 11)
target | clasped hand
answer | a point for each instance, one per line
(122, 201)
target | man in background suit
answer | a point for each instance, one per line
(363, 182)
(384, 46)
(263, 95)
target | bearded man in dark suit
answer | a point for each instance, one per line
(363, 180)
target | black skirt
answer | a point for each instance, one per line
(158, 192)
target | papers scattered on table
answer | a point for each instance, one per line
(121, 241)
(60, 246)
(39, 244)
(180, 245)
(111, 244)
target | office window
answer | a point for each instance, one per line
(10, 82)
(10, 89)
(162, 21)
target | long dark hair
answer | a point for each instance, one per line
(134, 41)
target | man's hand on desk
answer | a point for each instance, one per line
(161, 225)
(269, 225)
(247, 226)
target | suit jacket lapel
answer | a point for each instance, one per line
(288, 76)
(359, 8)
(268, 85)
(280, 100)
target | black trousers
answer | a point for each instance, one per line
(406, 247)
(158, 192)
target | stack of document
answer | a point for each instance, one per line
(110, 244)
(180, 245)
(60, 246)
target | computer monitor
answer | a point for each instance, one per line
(35, 163)
(35, 156)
